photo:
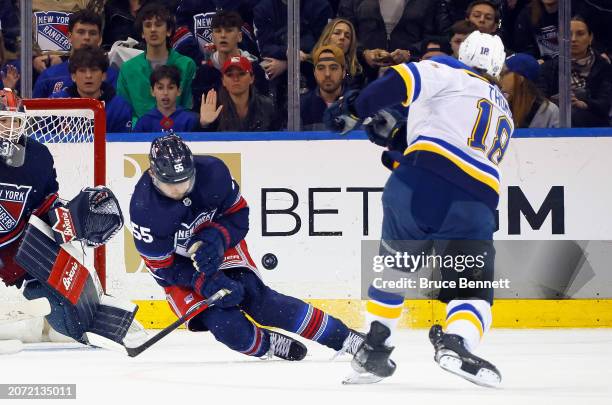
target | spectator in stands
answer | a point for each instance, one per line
(9, 21)
(599, 15)
(341, 33)
(119, 21)
(536, 31)
(88, 66)
(270, 19)
(51, 31)
(387, 32)
(194, 31)
(460, 30)
(434, 46)
(9, 69)
(330, 68)
(485, 15)
(239, 108)
(529, 107)
(510, 10)
(165, 87)
(156, 25)
(84, 29)
(591, 79)
(226, 35)
(457, 8)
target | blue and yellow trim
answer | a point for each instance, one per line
(412, 80)
(466, 312)
(384, 311)
(477, 170)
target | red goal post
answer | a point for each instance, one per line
(74, 129)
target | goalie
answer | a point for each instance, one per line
(35, 250)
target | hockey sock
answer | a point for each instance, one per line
(321, 327)
(470, 319)
(260, 343)
(384, 307)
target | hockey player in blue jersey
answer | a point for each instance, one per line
(36, 234)
(189, 222)
(442, 193)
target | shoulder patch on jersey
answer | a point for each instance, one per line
(12, 205)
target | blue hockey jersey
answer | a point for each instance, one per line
(180, 120)
(24, 191)
(118, 110)
(57, 78)
(162, 227)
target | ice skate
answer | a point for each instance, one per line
(285, 347)
(351, 344)
(452, 355)
(371, 361)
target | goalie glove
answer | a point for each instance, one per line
(341, 115)
(93, 217)
(383, 127)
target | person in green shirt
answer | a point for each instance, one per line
(157, 27)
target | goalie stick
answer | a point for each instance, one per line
(99, 341)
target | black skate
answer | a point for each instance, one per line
(285, 347)
(371, 361)
(453, 357)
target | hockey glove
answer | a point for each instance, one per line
(219, 281)
(384, 126)
(93, 216)
(208, 251)
(341, 115)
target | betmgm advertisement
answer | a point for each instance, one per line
(315, 224)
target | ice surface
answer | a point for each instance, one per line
(570, 366)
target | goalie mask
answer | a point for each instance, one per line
(12, 128)
(172, 166)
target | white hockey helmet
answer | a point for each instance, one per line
(12, 116)
(13, 121)
(483, 51)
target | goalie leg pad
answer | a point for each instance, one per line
(113, 318)
(63, 318)
(74, 292)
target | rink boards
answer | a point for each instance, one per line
(315, 197)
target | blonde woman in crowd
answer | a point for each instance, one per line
(341, 33)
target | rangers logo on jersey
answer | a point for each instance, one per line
(52, 30)
(202, 28)
(187, 230)
(12, 205)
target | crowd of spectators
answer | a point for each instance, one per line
(221, 65)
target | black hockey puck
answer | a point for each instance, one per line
(269, 261)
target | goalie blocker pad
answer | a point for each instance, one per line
(77, 300)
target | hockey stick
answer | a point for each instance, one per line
(100, 341)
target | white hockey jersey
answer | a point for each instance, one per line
(459, 116)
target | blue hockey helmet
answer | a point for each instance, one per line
(171, 159)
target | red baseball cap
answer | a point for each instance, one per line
(237, 61)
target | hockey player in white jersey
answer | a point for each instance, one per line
(442, 193)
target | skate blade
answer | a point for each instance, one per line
(484, 377)
(361, 378)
